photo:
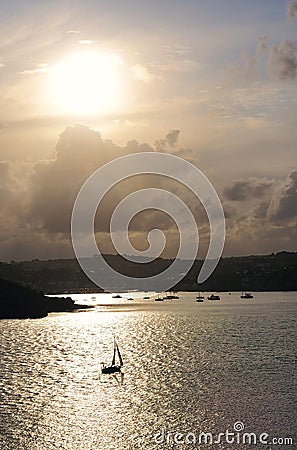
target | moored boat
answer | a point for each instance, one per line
(246, 295)
(199, 297)
(214, 297)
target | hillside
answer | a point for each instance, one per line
(274, 272)
(20, 302)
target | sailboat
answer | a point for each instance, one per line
(199, 297)
(114, 368)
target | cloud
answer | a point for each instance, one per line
(36, 201)
(278, 60)
(245, 189)
(283, 206)
(244, 70)
(262, 43)
(170, 140)
(260, 211)
(282, 60)
(13, 201)
(55, 183)
(292, 9)
(141, 73)
(86, 42)
(42, 68)
(182, 66)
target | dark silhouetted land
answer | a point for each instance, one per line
(21, 302)
(274, 272)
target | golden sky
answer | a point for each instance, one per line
(84, 82)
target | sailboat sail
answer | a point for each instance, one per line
(116, 351)
(119, 355)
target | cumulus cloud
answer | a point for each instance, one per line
(241, 190)
(282, 60)
(55, 184)
(262, 43)
(260, 211)
(279, 61)
(170, 141)
(292, 9)
(36, 202)
(283, 205)
(79, 152)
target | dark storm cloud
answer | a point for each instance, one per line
(244, 189)
(283, 206)
(292, 9)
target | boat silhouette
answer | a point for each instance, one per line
(214, 297)
(199, 297)
(246, 295)
(114, 368)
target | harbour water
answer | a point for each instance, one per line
(189, 368)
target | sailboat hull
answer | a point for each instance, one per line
(111, 369)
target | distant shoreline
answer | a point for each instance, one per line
(256, 273)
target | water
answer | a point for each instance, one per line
(189, 368)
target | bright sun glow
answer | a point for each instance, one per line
(87, 83)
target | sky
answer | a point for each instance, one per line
(84, 82)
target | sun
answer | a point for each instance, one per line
(87, 83)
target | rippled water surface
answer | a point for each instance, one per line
(188, 368)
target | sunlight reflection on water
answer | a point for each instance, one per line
(188, 367)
